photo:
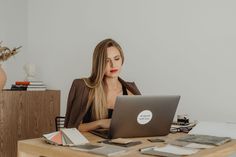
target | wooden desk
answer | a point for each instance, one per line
(38, 148)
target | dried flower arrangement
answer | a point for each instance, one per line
(6, 53)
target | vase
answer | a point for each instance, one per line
(3, 78)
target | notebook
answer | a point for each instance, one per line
(205, 139)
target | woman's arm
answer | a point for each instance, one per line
(103, 123)
(76, 103)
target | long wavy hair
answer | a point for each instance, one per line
(97, 96)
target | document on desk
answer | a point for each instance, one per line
(169, 151)
(66, 137)
(73, 135)
(176, 150)
(232, 155)
(221, 129)
(204, 139)
(108, 150)
(190, 145)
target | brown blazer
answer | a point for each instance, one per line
(78, 97)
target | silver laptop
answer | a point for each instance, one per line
(141, 116)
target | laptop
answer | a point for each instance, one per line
(141, 116)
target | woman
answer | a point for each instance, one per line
(91, 100)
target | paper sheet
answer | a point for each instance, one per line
(176, 150)
(198, 146)
(232, 155)
(75, 136)
(221, 129)
(50, 135)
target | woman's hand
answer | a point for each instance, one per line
(104, 123)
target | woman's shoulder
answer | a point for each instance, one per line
(129, 83)
(131, 86)
(80, 82)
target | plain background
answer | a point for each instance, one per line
(171, 46)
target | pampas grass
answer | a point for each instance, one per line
(6, 53)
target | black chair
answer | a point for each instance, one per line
(59, 122)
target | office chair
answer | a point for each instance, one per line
(59, 122)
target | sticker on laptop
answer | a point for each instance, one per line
(144, 117)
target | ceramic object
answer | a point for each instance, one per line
(30, 71)
(3, 78)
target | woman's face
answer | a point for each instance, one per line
(113, 62)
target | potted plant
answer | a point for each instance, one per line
(5, 54)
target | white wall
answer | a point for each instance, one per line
(171, 47)
(13, 33)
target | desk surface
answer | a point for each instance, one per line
(37, 147)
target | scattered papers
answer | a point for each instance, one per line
(169, 151)
(190, 145)
(176, 150)
(109, 150)
(105, 150)
(66, 137)
(198, 146)
(50, 135)
(221, 129)
(86, 147)
(232, 155)
(205, 139)
(73, 136)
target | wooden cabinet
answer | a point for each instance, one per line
(25, 115)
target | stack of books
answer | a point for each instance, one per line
(29, 86)
(20, 85)
(36, 86)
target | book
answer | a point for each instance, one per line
(36, 89)
(29, 86)
(205, 139)
(18, 87)
(66, 137)
(29, 83)
(36, 86)
(36, 82)
(22, 83)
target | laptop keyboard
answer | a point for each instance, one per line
(101, 132)
(104, 132)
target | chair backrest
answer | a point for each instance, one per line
(59, 122)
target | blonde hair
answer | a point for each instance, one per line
(97, 96)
